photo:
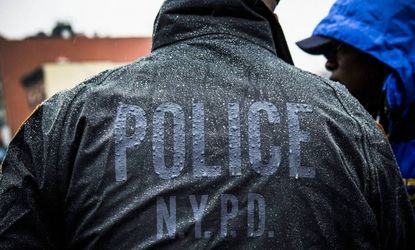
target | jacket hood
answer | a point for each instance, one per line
(384, 29)
(250, 19)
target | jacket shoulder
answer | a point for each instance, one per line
(357, 112)
(341, 98)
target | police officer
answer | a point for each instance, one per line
(214, 140)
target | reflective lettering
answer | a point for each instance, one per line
(258, 199)
(255, 138)
(199, 167)
(124, 141)
(234, 140)
(226, 216)
(198, 213)
(296, 136)
(164, 216)
(160, 167)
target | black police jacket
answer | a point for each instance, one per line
(211, 141)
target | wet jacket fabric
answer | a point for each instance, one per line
(385, 29)
(212, 141)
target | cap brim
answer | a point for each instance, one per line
(315, 45)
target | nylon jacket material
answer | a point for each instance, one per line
(211, 141)
(384, 29)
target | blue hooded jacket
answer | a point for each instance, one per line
(384, 29)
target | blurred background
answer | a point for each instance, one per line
(50, 45)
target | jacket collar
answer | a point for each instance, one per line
(250, 19)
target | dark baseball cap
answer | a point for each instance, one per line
(315, 45)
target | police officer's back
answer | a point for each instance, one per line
(211, 141)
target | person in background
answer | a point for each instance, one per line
(370, 48)
(212, 141)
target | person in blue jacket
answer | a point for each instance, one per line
(370, 48)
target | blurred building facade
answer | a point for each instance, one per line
(36, 68)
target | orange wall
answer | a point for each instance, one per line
(18, 58)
